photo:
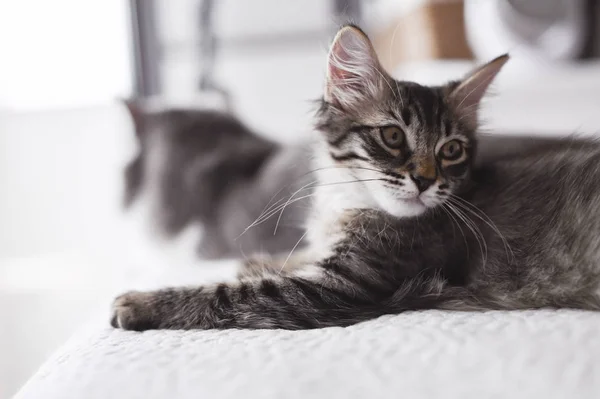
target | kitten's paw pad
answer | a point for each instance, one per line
(133, 311)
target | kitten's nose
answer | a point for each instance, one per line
(421, 182)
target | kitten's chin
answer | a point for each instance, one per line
(402, 208)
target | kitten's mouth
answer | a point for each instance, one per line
(414, 201)
(407, 207)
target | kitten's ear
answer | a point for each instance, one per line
(137, 112)
(353, 71)
(467, 95)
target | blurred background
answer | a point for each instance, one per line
(65, 136)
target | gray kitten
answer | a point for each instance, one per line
(204, 169)
(404, 219)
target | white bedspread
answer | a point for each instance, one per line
(532, 354)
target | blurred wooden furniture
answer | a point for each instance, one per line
(433, 30)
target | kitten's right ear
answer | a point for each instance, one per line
(467, 95)
(354, 74)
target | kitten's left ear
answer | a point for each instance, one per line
(137, 111)
(468, 94)
(354, 74)
(134, 107)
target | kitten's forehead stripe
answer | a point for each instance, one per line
(429, 105)
(439, 110)
(392, 114)
(406, 116)
(447, 128)
(426, 104)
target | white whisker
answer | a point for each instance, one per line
(486, 219)
(292, 251)
(474, 229)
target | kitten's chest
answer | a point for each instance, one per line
(412, 246)
(327, 228)
(405, 246)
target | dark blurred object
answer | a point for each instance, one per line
(544, 29)
(592, 42)
(145, 48)
(208, 54)
(347, 11)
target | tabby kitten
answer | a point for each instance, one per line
(403, 219)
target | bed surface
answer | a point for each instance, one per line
(530, 354)
(428, 354)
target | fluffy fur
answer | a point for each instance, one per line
(403, 218)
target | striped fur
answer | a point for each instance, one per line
(520, 231)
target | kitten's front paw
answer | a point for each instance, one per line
(134, 311)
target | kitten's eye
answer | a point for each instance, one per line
(452, 150)
(392, 136)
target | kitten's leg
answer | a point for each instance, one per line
(264, 264)
(290, 302)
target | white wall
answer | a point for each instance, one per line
(63, 245)
(59, 172)
(63, 53)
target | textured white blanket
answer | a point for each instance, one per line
(532, 354)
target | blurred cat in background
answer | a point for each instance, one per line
(206, 170)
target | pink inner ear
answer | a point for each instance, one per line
(340, 61)
(350, 67)
(337, 74)
(343, 80)
(339, 79)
